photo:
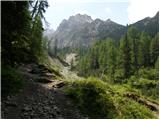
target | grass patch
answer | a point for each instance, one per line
(11, 81)
(99, 99)
(148, 88)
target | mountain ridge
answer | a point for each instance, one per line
(82, 30)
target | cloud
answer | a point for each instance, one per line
(139, 9)
(107, 10)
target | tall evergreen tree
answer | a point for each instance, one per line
(133, 36)
(38, 8)
(36, 45)
(144, 50)
(154, 49)
(111, 59)
(125, 56)
(15, 31)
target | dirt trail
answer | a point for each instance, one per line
(39, 100)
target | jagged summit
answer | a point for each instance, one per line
(81, 18)
(81, 29)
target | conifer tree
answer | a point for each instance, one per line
(144, 50)
(111, 59)
(133, 36)
(125, 56)
(154, 49)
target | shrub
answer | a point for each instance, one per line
(94, 97)
(12, 81)
(119, 77)
(97, 99)
(151, 74)
(146, 87)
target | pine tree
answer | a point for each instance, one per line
(133, 36)
(111, 59)
(16, 22)
(103, 56)
(125, 56)
(154, 49)
(157, 64)
(36, 44)
(144, 50)
(94, 58)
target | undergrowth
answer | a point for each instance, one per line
(11, 81)
(99, 99)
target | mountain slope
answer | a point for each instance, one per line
(149, 25)
(82, 30)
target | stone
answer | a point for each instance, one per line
(10, 104)
(55, 108)
(27, 108)
(47, 108)
(61, 84)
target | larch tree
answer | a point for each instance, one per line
(133, 36)
(154, 49)
(125, 56)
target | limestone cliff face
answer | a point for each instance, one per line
(82, 30)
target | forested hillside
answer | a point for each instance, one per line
(85, 69)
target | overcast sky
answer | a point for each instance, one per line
(121, 11)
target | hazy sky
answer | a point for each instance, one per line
(120, 11)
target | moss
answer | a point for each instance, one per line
(102, 100)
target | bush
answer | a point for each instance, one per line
(97, 99)
(12, 81)
(147, 87)
(151, 74)
(119, 77)
(94, 97)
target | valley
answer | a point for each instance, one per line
(87, 68)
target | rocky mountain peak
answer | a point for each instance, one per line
(108, 20)
(81, 18)
(81, 30)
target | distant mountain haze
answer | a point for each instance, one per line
(82, 30)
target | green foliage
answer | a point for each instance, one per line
(39, 8)
(111, 59)
(11, 82)
(154, 49)
(99, 100)
(125, 56)
(157, 64)
(119, 76)
(92, 98)
(148, 73)
(36, 38)
(16, 23)
(21, 32)
(133, 35)
(146, 87)
(120, 61)
(144, 51)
